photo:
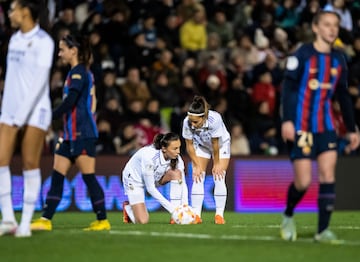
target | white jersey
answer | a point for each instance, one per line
(146, 168)
(213, 127)
(26, 91)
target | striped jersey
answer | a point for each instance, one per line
(311, 80)
(79, 122)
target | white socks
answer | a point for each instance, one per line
(220, 194)
(197, 195)
(6, 206)
(130, 213)
(176, 192)
(32, 184)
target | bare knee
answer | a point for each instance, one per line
(30, 163)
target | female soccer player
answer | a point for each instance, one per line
(80, 134)
(206, 136)
(26, 108)
(314, 75)
(153, 166)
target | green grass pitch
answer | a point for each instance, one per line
(245, 237)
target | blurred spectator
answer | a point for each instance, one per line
(166, 93)
(193, 35)
(145, 25)
(188, 89)
(108, 89)
(104, 143)
(152, 112)
(270, 64)
(91, 23)
(346, 23)
(220, 25)
(115, 35)
(66, 21)
(305, 19)
(127, 141)
(213, 48)
(212, 67)
(112, 114)
(169, 31)
(211, 90)
(264, 90)
(246, 48)
(263, 138)
(168, 97)
(134, 88)
(185, 10)
(164, 64)
(239, 142)
(240, 106)
(139, 55)
(287, 17)
(146, 131)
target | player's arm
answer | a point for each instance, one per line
(67, 104)
(343, 96)
(216, 170)
(289, 95)
(151, 189)
(196, 168)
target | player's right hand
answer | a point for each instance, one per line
(288, 131)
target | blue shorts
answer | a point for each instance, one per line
(310, 145)
(72, 149)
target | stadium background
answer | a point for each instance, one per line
(255, 184)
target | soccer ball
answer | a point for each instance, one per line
(184, 215)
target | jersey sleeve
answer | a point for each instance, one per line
(289, 90)
(343, 96)
(78, 76)
(216, 125)
(186, 130)
(149, 180)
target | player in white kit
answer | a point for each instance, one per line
(26, 107)
(206, 137)
(150, 167)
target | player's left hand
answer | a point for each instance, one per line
(218, 172)
(354, 140)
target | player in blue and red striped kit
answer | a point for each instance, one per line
(80, 134)
(315, 74)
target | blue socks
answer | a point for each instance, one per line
(96, 195)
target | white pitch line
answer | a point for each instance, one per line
(305, 227)
(222, 237)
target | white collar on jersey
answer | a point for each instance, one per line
(163, 161)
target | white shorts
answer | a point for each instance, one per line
(205, 152)
(134, 191)
(40, 117)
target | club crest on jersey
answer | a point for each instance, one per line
(334, 71)
(313, 84)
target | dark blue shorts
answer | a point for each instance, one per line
(310, 145)
(73, 149)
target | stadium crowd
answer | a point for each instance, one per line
(151, 57)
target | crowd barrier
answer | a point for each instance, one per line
(255, 184)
